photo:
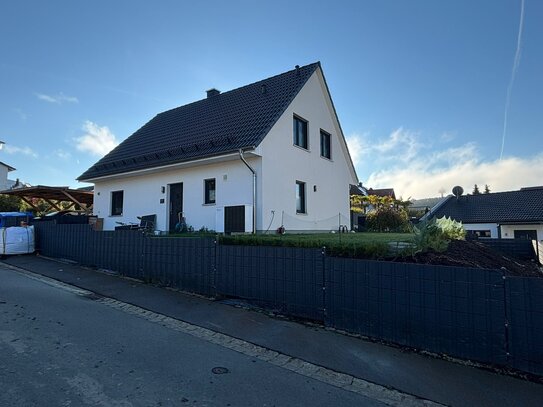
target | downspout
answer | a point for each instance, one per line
(254, 187)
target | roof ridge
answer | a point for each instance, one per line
(316, 64)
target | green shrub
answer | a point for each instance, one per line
(437, 233)
(339, 248)
(388, 219)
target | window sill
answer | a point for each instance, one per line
(327, 159)
(301, 213)
(209, 204)
(307, 150)
(116, 216)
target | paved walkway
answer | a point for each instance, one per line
(422, 376)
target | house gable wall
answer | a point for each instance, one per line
(284, 163)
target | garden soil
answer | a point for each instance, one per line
(465, 253)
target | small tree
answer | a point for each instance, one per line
(10, 203)
(476, 190)
(487, 189)
(388, 214)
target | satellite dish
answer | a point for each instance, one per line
(457, 191)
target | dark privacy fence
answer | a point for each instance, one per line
(476, 314)
(522, 249)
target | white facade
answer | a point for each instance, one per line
(492, 227)
(506, 231)
(279, 164)
(5, 183)
(327, 181)
(142, 193)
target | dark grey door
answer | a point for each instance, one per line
(234, 219)
(176, 204)
(526, 234)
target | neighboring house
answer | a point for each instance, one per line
(382, 192)
(512, 214)
(6, 183)
(198, 160)
(357, 218)
(420, 207)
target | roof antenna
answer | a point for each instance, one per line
(297, 70)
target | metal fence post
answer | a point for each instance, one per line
(324, 282)
(215, 266)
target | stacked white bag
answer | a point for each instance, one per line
(17, 240)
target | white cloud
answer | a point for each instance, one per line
(59, 99)
(418, 172)
(8, 148)
(64, 155)
(356, 147)
(97, 140)
(400, 145)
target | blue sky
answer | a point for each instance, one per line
(420, 86)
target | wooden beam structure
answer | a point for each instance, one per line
(54, 196)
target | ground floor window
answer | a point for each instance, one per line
(479, 233)
(209, 191)
(117, 203)
(300, 197)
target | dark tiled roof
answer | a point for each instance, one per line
(525, 205)
(382, 192)
(356, 190)
(217, 125)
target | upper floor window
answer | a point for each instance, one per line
(209, 191)
(300, 132)
(300, 197)
(326, 147)
(117, 203)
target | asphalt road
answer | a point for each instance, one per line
(61, 348)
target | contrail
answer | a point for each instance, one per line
(516, 63)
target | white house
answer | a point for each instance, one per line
(507, 215)
(6, 183)
(272, 151)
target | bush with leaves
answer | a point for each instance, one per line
(10, 203)
(388, 219)
(437, 233)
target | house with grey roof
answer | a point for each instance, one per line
(255, 158)
(508, 215)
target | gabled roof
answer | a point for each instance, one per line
(425, 203)
(9, 167)
(217, 125)
(382, 192)
(357, 190)
(523, 206)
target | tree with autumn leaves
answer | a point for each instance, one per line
(383, 213)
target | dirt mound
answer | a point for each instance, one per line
(463, 253)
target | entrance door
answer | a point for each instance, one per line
(526, 234)
(176, 204)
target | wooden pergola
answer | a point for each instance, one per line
(54, 196)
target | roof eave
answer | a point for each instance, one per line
(159, 168)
